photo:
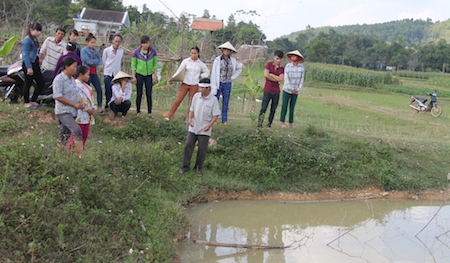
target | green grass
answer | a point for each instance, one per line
(60, 208)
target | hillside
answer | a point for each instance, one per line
(413, 31)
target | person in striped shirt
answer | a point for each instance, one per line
(52, 49)
(294, 74)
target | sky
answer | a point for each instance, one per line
(277, 18)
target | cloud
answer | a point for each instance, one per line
(362, 14)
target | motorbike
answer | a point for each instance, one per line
(418, 104)
(12, 80)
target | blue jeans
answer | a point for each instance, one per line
(108, 91)
(95, 80)
(225, 89)
(148, 81)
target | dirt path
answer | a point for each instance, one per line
(334, 194)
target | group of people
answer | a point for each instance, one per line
(204, 111)
(77, 68)
(292, 77)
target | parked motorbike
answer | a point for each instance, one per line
(12, 80)
(419, 104)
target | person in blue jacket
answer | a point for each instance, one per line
(31, 67)
(90, 56)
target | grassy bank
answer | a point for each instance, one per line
(123, 201)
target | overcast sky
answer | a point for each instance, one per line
(281, 17)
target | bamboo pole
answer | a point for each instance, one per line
(216, 244)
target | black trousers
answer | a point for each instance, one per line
(37, 76)
(122, 107)
(148, 82)
(191, 138)
(267, 97)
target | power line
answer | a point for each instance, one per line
(169, 10)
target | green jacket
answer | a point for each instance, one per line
(142, 64)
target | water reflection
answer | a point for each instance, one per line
(359, 231)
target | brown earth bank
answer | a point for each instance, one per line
(333, 195)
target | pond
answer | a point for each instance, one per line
(352, 231)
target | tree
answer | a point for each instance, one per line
(280, 44)
(318, 49)
(249, 33)
(133, 13)
(52, 11)
(113, 5)
(206, 14)
(231, 21)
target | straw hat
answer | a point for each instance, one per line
(227, 45)
(297, 53)
(120, 75)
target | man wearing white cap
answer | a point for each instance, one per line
(203, 113)
(225, 69)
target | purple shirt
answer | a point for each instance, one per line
(70, 54)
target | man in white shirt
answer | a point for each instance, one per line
(52, 49)
(203, 113)
(112, 61)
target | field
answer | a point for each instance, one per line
(123, 201)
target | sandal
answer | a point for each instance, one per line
(31, 106)
(183, 171)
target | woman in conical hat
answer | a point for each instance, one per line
(225, 69)
(294, 74)
(121, 94)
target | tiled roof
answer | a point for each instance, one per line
(206, 24)
(103, 15)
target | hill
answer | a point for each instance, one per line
(413, 31)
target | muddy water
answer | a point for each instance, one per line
(357, 231)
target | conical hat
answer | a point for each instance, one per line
(227, 45)
(120, 75)
(295, 52)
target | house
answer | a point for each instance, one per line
(203, 24)
(101, 22)
(391, 68)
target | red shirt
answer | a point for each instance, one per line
(273, 86)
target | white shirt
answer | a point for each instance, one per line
(215, 75)
(117, 92)
(112, 61)
(204, 110)
(194, 71)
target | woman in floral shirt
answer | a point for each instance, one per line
(85, 117)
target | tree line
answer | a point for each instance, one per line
(367, 51)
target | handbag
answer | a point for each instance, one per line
(179, 76)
